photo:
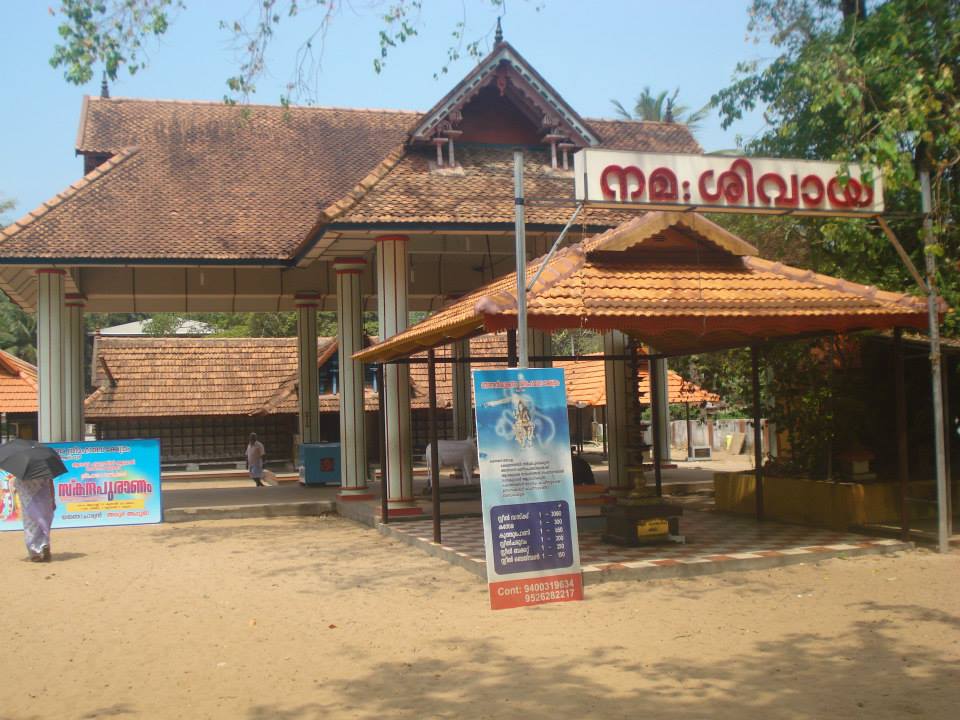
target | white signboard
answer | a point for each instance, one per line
(724, 184)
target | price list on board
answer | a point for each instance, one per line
(531, 536)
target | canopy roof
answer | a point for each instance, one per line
(679, 282)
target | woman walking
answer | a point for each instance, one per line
(34, 465)
(37, 503)
(255, 453)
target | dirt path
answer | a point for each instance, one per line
(320, 618)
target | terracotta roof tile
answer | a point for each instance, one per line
(478, 191)
(193, 376)
(586, 382)
(707, 299)
(209, 181)
(648, 136)
(202, 180)
(18, 385)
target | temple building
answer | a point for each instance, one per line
(197, 206)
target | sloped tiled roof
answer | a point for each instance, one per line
(172, 376)
(479, 192)
(18, 385)
(208, 181)
(677, 281)
(177, 376)
(586, 383)
(205, 180)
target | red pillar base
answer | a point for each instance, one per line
(404, 511)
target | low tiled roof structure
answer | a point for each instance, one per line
(18, 385)
(585, 379)
(586, 383)
(175, 376)
(679, 282)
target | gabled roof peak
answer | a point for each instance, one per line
(513, 76)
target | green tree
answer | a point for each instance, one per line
(875, 85)
(18, 331)
(856, 83)
(662, 107)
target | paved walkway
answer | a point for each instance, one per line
(715, 542)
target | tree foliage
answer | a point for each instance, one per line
(875, 84)
(113, 34)
(662, 107)
(871, 83)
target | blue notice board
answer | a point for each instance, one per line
(108, 482)
(526, 480)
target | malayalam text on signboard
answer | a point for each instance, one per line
(526, 479)
(720, 183)
(115, 482)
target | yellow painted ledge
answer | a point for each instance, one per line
(836, 505)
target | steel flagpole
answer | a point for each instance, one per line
(521, 252)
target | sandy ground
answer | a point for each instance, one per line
(320, 618)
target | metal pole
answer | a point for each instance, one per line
(943, 540)
(903, 460)
(384, 514)
(655, 419)
(434, 447)
(521, 256)
(689, 433)
(757, 438)
(556, 244)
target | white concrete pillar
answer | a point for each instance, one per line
(618, 400)
(307, 373)
(73, 377)
(463, 419)
(663, 380)
(393, 279)
(51, 344)
(353, 435)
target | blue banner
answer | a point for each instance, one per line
(109, 482)
(526, 480)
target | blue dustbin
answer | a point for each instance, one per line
(319, 464)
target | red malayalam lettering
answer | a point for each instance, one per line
(736, 186)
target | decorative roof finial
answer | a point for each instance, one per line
(104, 88)
(498, 37)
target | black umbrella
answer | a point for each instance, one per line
(30, 460)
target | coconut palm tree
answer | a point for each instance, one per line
(662, 107)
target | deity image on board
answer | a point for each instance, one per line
(522, 422)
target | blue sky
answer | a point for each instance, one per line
(590, 50)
